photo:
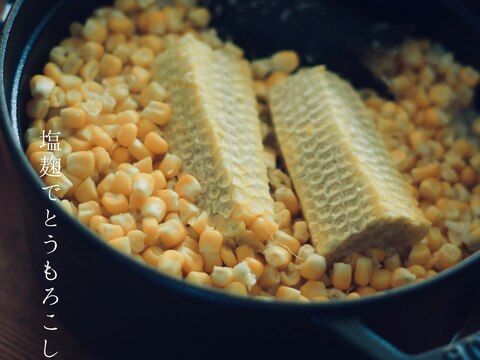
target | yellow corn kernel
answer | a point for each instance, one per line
(127, 117)
(287, 293)
(210, 260)
(199, 223)
(96, 221)
(155, 143)
(72, 64)
(170, 198)
(171, 262)
(152, 255)
(473, 240)
(121, 244)
(157, 112)
(142, 57)
(469, 76)
(380, 279)
(52, 71)
(90, 70)
(137, 240)
(143, 185)
(236, 288)
(286, 61)
(283, 218)
(41, 86)
(245, 214)
(434, 117)
(243, 274)
(428, 171)
(401, 277)
(366, 290)
(392, 262)
(274, 78)
(433, 214)
(122, 183)
(193, 260)
(171, 233)
(255, 265)
(68, 82)
(441, 94)
(125, 220)
(187, 211)
(244, 251)
(341, 275)
(138, 78)
(101, 138)
(447, 256)
(270, 277)
(199, 278)
(153, 207)
(115, 203)
(119, 23)
(419, 254)
(376, 254)
(95, 31)
(105, 185)
(435, 239)
(145, 127)
(127, 134)
(87, 210)
(73, 117)
(81, 164)
(110, 65)
(260, 228)
(151, 229)
(312, 289)
(145, 166)
(283, 239)
(86, 191)
(300, 231)
(313, 267)
(418, 271)
(170, 165)
(153, 92)
(210, 241)
(138, 150)
(222, 276)
(228, 256)
(102, 159)
(277, 256)
(188, 187)
(200, 17)
(468, 176)
(288, 198)
(92, 51)
(110, 231)
(431, 189)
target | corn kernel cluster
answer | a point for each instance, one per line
(119, 178)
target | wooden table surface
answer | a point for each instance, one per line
(22, 315)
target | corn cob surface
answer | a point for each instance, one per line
(215, 129)
(351, 195)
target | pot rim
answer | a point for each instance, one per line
(13, 143)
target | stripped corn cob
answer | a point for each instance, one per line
(352, 196)
(215, 130)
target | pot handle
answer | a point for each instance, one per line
(358, 334)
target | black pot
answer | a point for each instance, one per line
(123, 309)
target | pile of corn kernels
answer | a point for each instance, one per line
(119, 179)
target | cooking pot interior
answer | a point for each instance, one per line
(330, 32)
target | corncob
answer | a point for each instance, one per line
(215, 129)
(351, 194)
